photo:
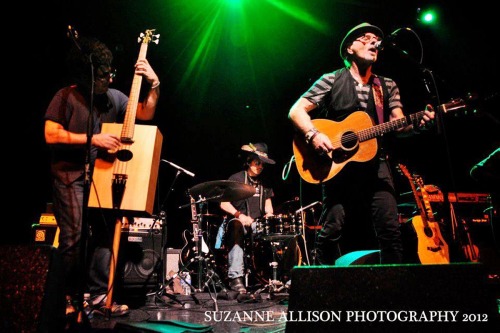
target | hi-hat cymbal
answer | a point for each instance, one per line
(222, 190)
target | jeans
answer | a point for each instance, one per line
(235, 242)
(67, 200)
(69, 214)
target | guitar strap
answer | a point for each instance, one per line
(378, 98)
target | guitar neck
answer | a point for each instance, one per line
(426, 204)
(390, 126)
(393, 125)
(194, 213)
(127, 133)
(420, 204)
(418, 200)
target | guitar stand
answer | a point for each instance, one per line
(161, 294)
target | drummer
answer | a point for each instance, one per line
(244, 212)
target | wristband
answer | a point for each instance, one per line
(311, 134)
(156, 85)
(237, 214)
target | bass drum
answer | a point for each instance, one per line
(286, 253)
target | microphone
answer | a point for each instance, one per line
(189, 173)
(387, 41)
(308, 206)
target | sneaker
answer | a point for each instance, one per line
(237, 284)
(117, 310)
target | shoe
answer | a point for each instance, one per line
(237, 284)
(117, 310)
(70, 308)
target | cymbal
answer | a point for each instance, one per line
(209, 215)
(222, 190)
(289, 206)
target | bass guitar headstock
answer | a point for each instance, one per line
(148, 37)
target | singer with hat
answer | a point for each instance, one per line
(360, 191)
(244, 212)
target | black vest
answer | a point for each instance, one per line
(344, 98)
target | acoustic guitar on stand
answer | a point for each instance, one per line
(432, 249)
(354, 140)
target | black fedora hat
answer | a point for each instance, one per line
(260, 150)
(356, 32)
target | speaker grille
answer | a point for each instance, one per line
(139, 257)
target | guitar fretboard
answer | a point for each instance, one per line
(390, 126)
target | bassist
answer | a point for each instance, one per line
(66, 135)
(361, 191)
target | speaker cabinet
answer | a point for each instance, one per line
(391, 298)
(31, 289)
(139, 259)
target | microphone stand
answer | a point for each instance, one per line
(82, 318)
(163, 217)
(441, 129)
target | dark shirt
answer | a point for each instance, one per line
(253, 206)
(70, 108)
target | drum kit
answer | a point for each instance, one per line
(276, 246)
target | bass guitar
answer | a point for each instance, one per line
(126, 179)
(354, 140)
(432, 249)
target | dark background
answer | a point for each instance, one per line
(225, 84)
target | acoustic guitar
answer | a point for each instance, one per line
(354, 140)
(432, 249)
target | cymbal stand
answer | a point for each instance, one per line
(274, 285)
(201, 246)
(216, 282)
(302, 212)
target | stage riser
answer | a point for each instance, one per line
(392, 290)
(31, 289)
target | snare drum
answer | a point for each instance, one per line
(279, 226)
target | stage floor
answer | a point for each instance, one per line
(197, 313)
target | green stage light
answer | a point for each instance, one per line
(427, 16)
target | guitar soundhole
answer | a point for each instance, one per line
(428, 231)
(124, 155)
(349, 141)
